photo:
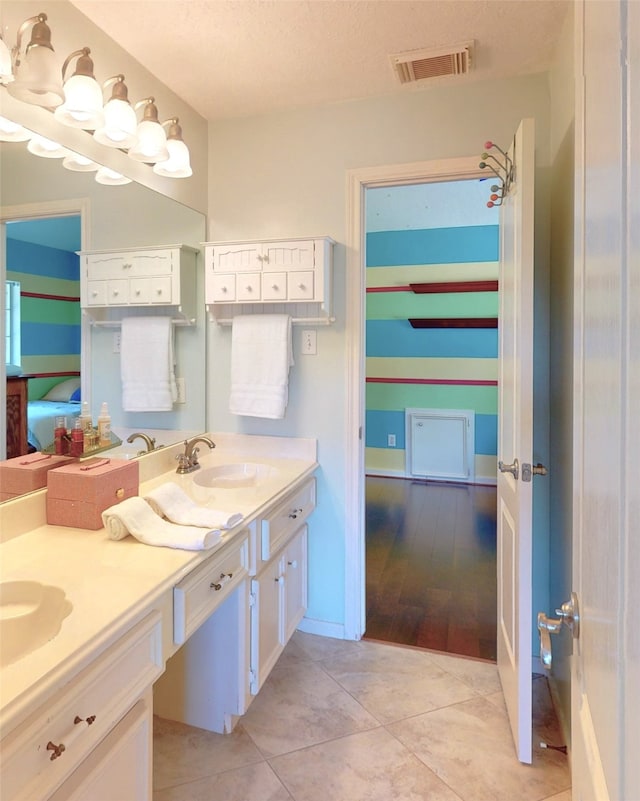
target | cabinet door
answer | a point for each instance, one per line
(152, 262)
(239, 258)
(295, 582)
(288, 255)
(120, 767)
(267, 634)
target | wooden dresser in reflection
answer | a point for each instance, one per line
(17, 415)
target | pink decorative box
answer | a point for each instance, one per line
(79, 493)
(27, 473)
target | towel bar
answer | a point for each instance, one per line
(118, 323)
(295, 321)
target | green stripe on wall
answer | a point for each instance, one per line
(402, 275)
(387, 461)
(390, 397)
(45, 285)
(49, 311)
(401, 305)
(408, 367)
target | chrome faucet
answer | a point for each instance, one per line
(150, 442)
(188, 461)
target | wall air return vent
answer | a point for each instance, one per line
(419, 65)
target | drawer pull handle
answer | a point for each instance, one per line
(88, 720)
(57, 750)
(293, 563)
(279, 580)
(294, 513)
(224, 578)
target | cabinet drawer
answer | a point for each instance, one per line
(81, 715)
(97, 293)
(274, 286)
(248, 287)
(222, 286)
(118, 292)
(300, 286)
(286, 518)
(195, 598)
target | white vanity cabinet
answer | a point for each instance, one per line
(65, 746)
(151, 277)
(270, 271)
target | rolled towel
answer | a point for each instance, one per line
(171, 501)
(134, 516)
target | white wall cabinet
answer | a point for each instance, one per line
(272, 271)
(72, 732)
(151, 277)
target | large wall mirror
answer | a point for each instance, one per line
(108, 217)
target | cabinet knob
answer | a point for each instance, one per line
(127, 266)
(224, 289)
(301, 286)
(249, 288)
(293, 563)
(275, 287)
(137, 291)
(279, 580)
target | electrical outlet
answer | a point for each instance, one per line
(391, 440)
(116, 341)
(182, 391)
(309, 342)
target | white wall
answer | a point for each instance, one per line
(283, 175)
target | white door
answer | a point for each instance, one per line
(515, 440)
(605, 675)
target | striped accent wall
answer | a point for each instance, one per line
(50, 328)
(450, 366)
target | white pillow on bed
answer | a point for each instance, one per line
(63, 391)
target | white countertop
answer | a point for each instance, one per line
(110, 584)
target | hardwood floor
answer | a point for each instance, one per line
(431, 565)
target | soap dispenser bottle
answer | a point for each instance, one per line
(104, 426)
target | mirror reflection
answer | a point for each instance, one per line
(55, 355)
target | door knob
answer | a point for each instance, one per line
(569, 615)
(513, 468)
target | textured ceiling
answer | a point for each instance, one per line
(232, 58)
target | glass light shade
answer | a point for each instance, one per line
(178, 164)
(110, 177)
(82, 107)
(36, 80)
(12, 132)
(46, 148)
(78, 163)
(120, 123)
(6, 68)
(152, 143)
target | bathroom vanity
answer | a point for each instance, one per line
(130, 629)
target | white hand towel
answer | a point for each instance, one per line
(147, 364)
(261, 356)
(171, 501)
(134, 516)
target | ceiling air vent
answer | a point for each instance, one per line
(418, 65)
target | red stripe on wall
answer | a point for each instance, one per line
(389, 288)
(464, 382)
(454, 286)
(453, 322)
(54, 375)
(42, 296)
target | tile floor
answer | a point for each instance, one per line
(365, 721)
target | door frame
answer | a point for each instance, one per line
(457, 169)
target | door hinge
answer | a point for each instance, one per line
(252, 599)
(253, 682)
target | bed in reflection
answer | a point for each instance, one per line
(62, 400)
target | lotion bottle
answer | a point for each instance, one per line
(104, 426)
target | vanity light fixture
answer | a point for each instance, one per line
(6, 65)
(110, 177)
(178, 165)
(120, 121)
(46, 148)
(152, 139)
(12, 132)
(78, 163)
(36, 73)
(82, 107)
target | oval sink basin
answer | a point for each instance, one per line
(31, 614)
(233, 476)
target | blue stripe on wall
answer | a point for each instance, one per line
(25, 257)
(45, 339)
(379, 424)
(396, 338)
(486, 429)
(433, 246)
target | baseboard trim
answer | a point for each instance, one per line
(323, 628)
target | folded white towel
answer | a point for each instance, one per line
(135, 516)
(261, 356)
(147, 364)
(171, 501)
